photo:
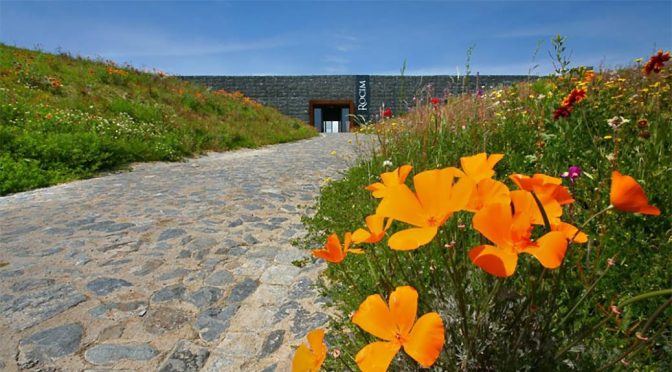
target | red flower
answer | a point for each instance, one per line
(565, 109)
(562, 111)
(387, 113)
(656, 62)
(435, 101)
(575, 96)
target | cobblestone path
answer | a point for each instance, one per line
(170, 267)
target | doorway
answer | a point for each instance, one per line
(330, 116)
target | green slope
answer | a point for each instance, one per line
(65, 118)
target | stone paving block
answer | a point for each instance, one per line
(35, 307)
(41, 347)
(185, 357)
(282, 275)
(110, 353)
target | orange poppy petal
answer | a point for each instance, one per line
(377, 189)
(479, 166)
(374, 316)
(523, 182)
(331, 251)
(544, 179)
(347, 240)
(403, 307)
(360, 236)
(493, 260)
(570, 231)
(303, 360)
(316, 342)
(397, 176)
(426, 339)
(488, 191)
(413, 238)
(431, 188)
(376, 356)
(550, 249)
(494, 222)
(401, 204)
(320, 253)
(333, 244)
(404, 170)
(562, 195)
(628, 196)
(493, 159)
(375, 223)
(461, 194)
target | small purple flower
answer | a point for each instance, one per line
(572, 173)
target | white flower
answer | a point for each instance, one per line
(387, 163)
(617, 121)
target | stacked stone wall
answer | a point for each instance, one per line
(291, 94)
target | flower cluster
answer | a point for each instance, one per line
(656, 62)
(238, 96)
(55, 82)
(111, 70)
(524, 220)
(565, 109)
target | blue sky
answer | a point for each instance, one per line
(340, 37)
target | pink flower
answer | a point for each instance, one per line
(572, 173)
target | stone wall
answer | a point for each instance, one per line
(291, 94)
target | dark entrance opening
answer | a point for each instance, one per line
(331, 116)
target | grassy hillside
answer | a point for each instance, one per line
(65, 118)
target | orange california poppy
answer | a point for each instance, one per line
(433, 202)
(390, 179)
(480, 166)
(332, 250)
(377, 228)
(422, 340)
(628, 196)
(512, 236)
(488, 191)
(550, 192)
(310, 358)
(523, 200)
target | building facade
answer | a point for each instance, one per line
(333, 103)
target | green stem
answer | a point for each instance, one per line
(583, 335)
(609, 207)
(382, 277)
(484, 306)
(646, 295)
(547, 223)
(585, 295)
(347, 276)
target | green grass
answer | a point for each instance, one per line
(516, 323)
(64, 118)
